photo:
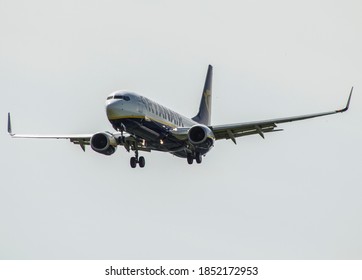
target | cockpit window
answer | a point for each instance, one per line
(110, 97)
(124, 97)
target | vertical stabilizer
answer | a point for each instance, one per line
(204, 114)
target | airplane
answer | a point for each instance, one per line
(142, 125)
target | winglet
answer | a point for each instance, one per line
(347, 106)
(9, 125)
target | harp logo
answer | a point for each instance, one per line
(207, 97)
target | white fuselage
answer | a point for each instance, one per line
(122, 105)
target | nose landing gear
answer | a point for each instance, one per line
(140, 160)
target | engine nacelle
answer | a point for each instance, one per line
(201, 137)
(104, 143)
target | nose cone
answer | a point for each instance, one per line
(113, 109)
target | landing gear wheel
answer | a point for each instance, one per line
(190, 159)
(141, 162)
(133, 162)
(198, 158)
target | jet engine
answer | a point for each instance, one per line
(201, 137)
(104, 143)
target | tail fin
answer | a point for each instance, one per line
(204, 114)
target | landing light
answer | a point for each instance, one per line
(161, 141)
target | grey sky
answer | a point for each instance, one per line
(295, 195)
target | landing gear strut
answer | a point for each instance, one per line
(122, 139)
(140, 160)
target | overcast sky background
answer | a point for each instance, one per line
(295, 195)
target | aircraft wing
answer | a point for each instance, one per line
(129, 142)
(232, 131)
(80, 139)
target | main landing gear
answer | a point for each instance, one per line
(197, 157)
(140, 160)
